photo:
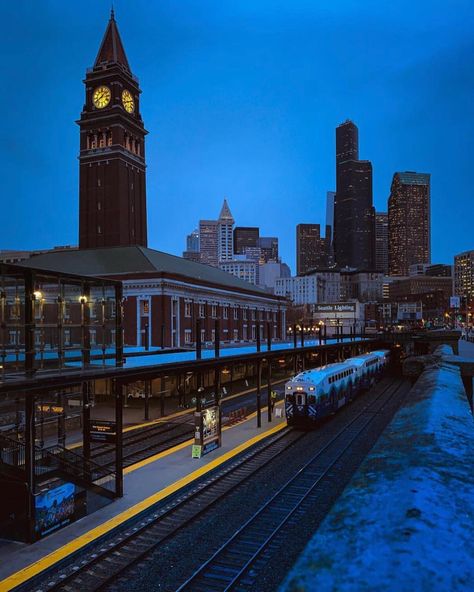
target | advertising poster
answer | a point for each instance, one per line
(54, 508)
(207, 431)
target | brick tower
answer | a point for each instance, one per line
(112, 184)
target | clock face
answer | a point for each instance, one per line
(128, 102)
(101, 97)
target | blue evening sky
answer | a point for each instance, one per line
(241, 99)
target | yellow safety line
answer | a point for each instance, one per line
(174, 415)
(150, 459)
(37, 567)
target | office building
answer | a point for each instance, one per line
(464, 276)
(269, 248)
(408, 222)
(312, 250)
(225, 235)
(208, 239)
(245, 236)
(354, 214)
(381, 242)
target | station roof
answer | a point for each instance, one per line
(135, 260)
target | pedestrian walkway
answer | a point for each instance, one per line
(145, 484)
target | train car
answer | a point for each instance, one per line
(369, 367)
(314, 394)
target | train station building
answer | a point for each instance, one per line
(164, 295)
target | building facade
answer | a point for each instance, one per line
(165, 295)
(312, 250)
(409, 222)
(464, 276)
(208, 241)
(354, 214)
(420, 284)
(242, 268)
(225, 234)
(268, 273)
(245, 236)
(112, 187)
(192, 241)
(381, 242)
(269, 248)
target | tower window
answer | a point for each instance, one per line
(99, 206)
(98, 182)
(99, 229)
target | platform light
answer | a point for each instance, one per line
(37, 295)
(83, 299)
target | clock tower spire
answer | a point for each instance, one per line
(112, 187)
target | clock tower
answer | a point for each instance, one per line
(112, 191)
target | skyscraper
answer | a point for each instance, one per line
(354, 214)
(245, 236)
(312, 251)
(330, 198)
(192, 247)
(208, 242)
(112, 193)
(225, 235)
(192, 241)
(408, 222)
(464, 277)
(269, 248)
(381, 242)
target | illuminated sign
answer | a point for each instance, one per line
(335, 308)
(103, 431)
(49, 408)
(207, 434)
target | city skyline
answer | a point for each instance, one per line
(277, 158)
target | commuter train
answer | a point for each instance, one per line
(314, 394)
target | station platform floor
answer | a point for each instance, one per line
(145, 484)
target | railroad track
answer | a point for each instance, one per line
(145, 442)
(103, 566)
(233, 565)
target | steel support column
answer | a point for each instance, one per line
(269, 390)
(147, 399)
(119, 326)
(198, 339)
(118, 394)
(259, 394)
(86, 422)
(217, 338)
(30, 462)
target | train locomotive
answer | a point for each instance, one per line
(314, 394)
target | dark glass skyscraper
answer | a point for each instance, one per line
(245, 236)
(354, 214)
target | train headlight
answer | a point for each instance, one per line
(288, 388)
(311, 388)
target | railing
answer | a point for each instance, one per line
(57, 458)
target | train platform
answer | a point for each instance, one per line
(405, 520)
(145, 484)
